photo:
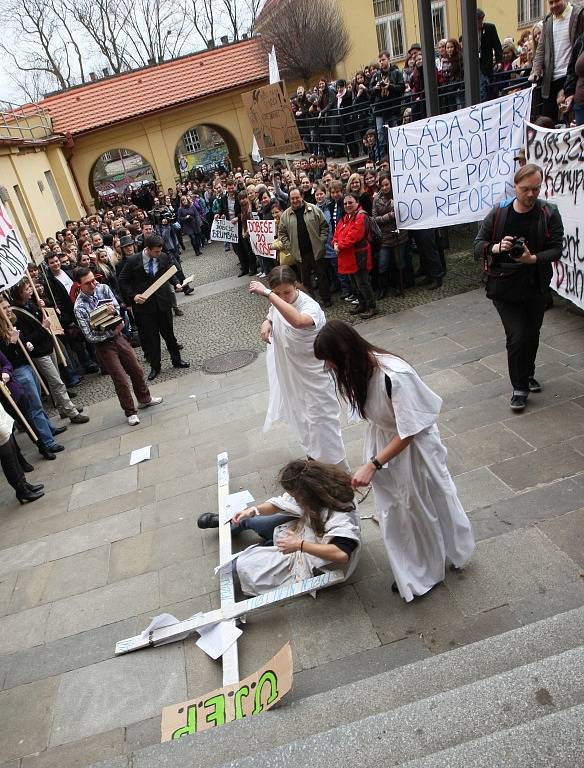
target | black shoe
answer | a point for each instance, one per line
(425, 280)
(394, 588)
(534, 385)
(188, 291)
(208, 520)
(92, 369)
(437, 283)
(181, 364)
(518, 402)
(153, 373)
(72, 394)
(358, 310)
(58, 430)
(56, 448)
(369, 313)
(24, 494)
(180, 346)
(46, 452)
(34, 488)
(242, 273)
(178, 312)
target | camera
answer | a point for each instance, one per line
(516, 251)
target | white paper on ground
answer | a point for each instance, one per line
(231, 559)
(140, 454)
(234, 502)
(218, 638)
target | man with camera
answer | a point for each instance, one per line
(517, 243)
(385, 91)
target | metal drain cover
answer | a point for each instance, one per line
(230, 361)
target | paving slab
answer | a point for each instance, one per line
(567, 533)
(485, 445)
(480, 487)
(548, 426)
(30, 704)
(117, 692)
(80, 753)
(94, 534)
(24, 629)
(118, 483)
(552, 462)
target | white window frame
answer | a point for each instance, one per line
(529, 12)
(440, 7)
(191, 141)
(389, 16)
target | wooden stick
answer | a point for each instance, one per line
(58, 350)
(33, 366)
(159, 282)
(6, 392)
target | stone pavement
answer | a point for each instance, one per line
(110, 545)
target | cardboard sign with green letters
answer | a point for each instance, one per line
(257, 693)
(272, 121)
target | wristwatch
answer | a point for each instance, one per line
(376, 464)
(255, 511)
(267, 292)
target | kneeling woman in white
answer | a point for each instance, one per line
(302, 394)
(324, 534)
(420, 516)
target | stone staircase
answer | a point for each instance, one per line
(515, 700)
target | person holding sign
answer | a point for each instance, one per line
(324, 531)
(517, 243)
(302, 394)
(421, 519)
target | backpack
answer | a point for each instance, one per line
(373, 233)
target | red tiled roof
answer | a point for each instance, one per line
(158, 87)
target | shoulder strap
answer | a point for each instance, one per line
(28, 314)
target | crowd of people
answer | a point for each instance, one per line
(336, 115)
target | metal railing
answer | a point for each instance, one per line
(340, 132)
(24, 123)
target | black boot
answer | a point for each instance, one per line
(21, 460)
(14, 474)
(24, 494)
(46, 452)
(35, 488)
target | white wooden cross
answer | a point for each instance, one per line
(229, 610)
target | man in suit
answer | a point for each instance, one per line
(489, 50)
(561, 28)
(155, 313)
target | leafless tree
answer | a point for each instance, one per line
(158, 30)
(204, 19)
(310, 37)
(104, 21)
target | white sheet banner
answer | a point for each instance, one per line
(454, 168)
(262, 234)
(13, 254)
(224, 231)
(560, 155)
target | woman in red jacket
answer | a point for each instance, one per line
(351, 243)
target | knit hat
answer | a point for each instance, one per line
(126, 240)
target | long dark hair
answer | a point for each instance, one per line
(352, 357)
(317, 486)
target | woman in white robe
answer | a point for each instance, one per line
(323, 534)
(421, 519)
(301, 393)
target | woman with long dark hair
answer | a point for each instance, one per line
(301, 392)
(421, 519)
(324, 529)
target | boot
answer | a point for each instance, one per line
(21, 460)
(23, 493)
(14, 474)
(46, 452)
(35, 488)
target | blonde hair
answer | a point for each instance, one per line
(359, 178)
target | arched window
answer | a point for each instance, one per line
(200, 147)
(120, 171)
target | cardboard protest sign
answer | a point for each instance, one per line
(224, 231)
(454, 168)
(13, 254)
(560, 155)
(262, 234)
(272, 121)
(255, 694)
(55, 322)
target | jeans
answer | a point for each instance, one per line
(484, 84)
(425, 240)
(362, 288)
(522, 322)
(263, 525)
(579, 114)
(40, 421)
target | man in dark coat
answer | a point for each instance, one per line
(155, 313)
(489, 50)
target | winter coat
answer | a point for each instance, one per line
(384, 215)
(351, 237)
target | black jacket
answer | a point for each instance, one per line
(571, 78)
(29, 323)
(134, 279)
(225, 209)
(490, 46)
(548, 247)
(63, 303)
(393, 89)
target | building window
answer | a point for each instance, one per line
(439, 25)
(529, 11)
(389, 24)
(191, 141)
(56, 196)
(106, 157)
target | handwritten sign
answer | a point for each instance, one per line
(454, 168)
(13, 254)
(257, 693)
(272, 121)
(224, 231)
(560, 155)
(262, 234)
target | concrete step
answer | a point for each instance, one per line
(372, 696)
(442, 722)
(554, 741)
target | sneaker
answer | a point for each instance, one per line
(262, 274)
(133, 420)
(534, 385)
(150, 403)
(518, 401)
(80, 418)
(355, 301)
